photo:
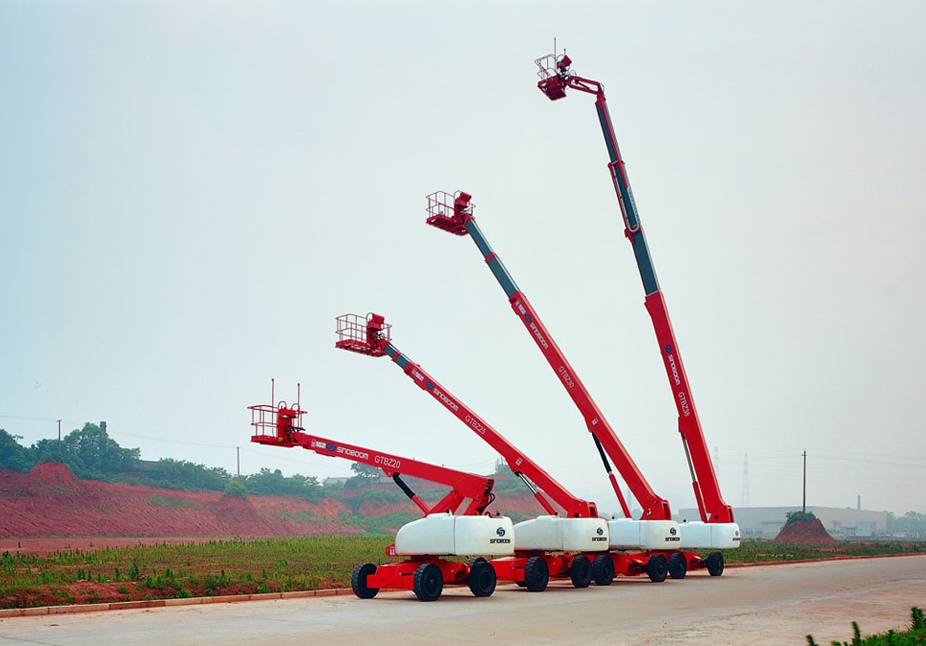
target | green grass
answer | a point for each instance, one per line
(755, 551)
(915, 635)
(247, 566)
(243, 566)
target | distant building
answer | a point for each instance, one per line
(766, 522)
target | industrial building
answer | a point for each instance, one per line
(766, 522)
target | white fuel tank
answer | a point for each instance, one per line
(709, 535)
(627, 533)
(555, 534)
(449, 535)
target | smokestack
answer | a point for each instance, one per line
(860, 503)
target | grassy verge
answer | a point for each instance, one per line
(248, 566)
(755, 551)
(915, 635)
(245, 566)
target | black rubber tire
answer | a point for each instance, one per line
(678, 566)
(358, 581)
(657, 568)
(536, 574)
(714, 563)
(580, 571)
(482, 578)
(602, 570)
(428, 582)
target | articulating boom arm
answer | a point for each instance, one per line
(370, 335)
(555, 79)
(464, 486)
(455, 215)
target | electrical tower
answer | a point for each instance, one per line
(744, 499)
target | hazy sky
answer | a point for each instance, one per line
(193, 191)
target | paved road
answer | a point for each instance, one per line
(767, 605)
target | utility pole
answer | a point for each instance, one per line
(745, 495)
(60, 450)
(238, 456)
(804, 497)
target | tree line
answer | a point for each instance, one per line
(92, 455)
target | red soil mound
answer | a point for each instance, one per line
(805, 532)
(49, 501)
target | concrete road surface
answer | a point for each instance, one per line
(770, 605)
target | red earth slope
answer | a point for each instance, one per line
(50, 500)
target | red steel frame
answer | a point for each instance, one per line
(370, 335)
(555, 79)
(454, 214)
(281, 425)
(464, 486)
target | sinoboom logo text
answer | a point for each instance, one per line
(392, 463)
(352, 453)
(449, 403)
(500, 532)
(671, 359)
(533, 326)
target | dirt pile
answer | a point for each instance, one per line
(805, 532)
(50, 500)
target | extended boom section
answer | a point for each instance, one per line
(551, 545)
(555, 78)
(655, 530)
(455, 214)
(440, 533)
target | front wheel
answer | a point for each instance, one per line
(482, 578)
(657, 568)
(536, 574)
(678, 566)
(714, 563)
(580, 571)
(603, 570)
(358, 581)
(428, 582)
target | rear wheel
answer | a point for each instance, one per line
(603, 570)
(714, 563)
(580, 571)
(657, 568)
(428, 582)
(678, 566)
(482, 578)
(358, 581)
(536, 574)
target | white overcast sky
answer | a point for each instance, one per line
(193, 191)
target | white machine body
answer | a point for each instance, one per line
(555, 534)
(627, 533)
(450, 535)
(709, 535)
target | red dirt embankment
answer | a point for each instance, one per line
(49, 500)
(805, 532)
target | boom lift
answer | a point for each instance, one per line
(440, 533)
(717, 528)
(550, 545)
(655, 530)
(545, 546)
